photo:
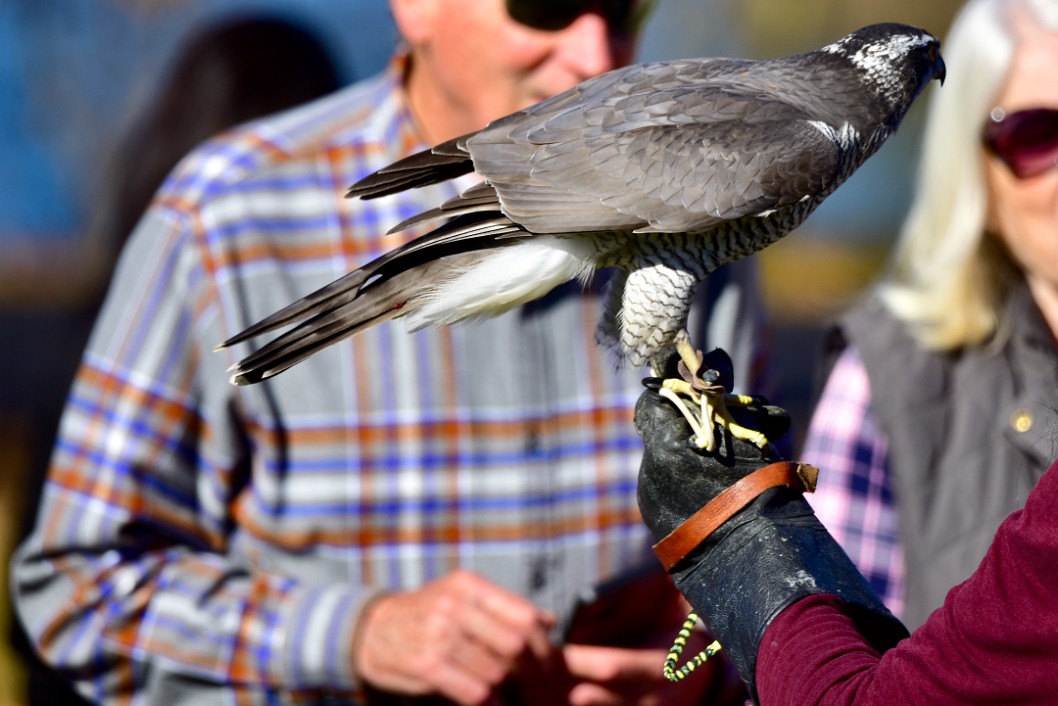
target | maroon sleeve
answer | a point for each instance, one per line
(995, 639)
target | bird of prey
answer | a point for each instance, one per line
(663, 170)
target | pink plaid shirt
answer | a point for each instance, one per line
(854, 498)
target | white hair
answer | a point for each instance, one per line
(946, 276)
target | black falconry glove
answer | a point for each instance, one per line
(733, 529)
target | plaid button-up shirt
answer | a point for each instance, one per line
(215, 544)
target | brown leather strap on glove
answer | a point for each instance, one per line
(799, 477)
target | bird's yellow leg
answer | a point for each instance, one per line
(672, 389)
(713, 411)
(690, 355)
(711, 398)
(737, 430)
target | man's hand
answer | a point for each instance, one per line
(595, 675)
(618, 645)
(459, 636)
(615, 676)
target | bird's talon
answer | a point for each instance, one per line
(708, 416)
(652, 383)
(751, 436)
(702, 438)
(704, 442)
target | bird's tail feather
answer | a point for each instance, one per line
(392, 285)
(336, 294)
(333, 321)
(462, 234)
(478, 198)
(447, 160)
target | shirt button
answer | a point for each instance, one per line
(533, 443)
(538, 574)
(1021, 420)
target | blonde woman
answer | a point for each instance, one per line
(951, 367)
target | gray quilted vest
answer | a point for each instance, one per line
(970, 433)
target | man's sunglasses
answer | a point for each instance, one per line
(623, 17)
(1026, 141)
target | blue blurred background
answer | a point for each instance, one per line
(74, 74)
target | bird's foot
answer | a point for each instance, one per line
(703, 388)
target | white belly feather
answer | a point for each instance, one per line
(512, 276)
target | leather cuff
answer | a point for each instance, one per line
(799, 477)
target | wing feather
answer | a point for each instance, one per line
(675, 146)
(673, 178)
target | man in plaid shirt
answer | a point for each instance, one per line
(404, 513)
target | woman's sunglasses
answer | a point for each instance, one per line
(1026, 141)
(623, 17)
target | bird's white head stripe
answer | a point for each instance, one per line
(876, 56)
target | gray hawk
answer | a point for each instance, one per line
(664, 171)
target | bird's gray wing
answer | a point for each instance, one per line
(447, 160)
(673, 178)
(681, 158)
(451, 159)
(677, 179)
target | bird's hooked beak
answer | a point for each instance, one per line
(940, 71)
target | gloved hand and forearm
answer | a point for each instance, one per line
(767, 555)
